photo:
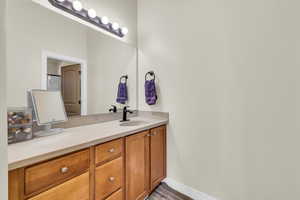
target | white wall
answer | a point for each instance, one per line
(53, 66)
(33, 28)
(267, 43)
(108, 60)
(3, 129)
(122, 12)
(229, 76)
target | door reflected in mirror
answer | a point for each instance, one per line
(65, 76)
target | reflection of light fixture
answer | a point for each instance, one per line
(124, 30)
(75, 8)
(77, 5)
(115, 26)
(92, 13)
(104, 20)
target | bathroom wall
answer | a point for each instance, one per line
(103, 84)
(123, 12)
(3, 130)
(53, 66)
(38, 29)
(228, 72)
(120, 58)
(41, 29)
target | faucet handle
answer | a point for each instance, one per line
(113, 109)
(126, 110)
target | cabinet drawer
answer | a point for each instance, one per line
(116, 196)
(109, 150)
(109, 178)
(74, 189)
(55, 171)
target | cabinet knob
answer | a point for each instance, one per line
(154, 133)
(111, 179)
(111, 150)
(64, 170)
(148, 135)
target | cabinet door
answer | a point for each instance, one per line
(74, 189)
(137, 166)
(157, 156)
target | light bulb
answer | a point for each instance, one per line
(124, 31)
(60, 1)
(115, 26)
(104, 20)
(92, 13)
(77, 5)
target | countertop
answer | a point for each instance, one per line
(73, 139)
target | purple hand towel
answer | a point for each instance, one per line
(150, 92)
(122, 96)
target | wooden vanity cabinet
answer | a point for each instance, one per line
(48, 180)
(137, 166)
(145, 162)
(76, 188)
(109, 171)
(128, 168)
(55, 171)
(157, 156)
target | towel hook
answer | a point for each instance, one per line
(124, 77)
(151, 73)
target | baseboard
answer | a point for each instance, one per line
(188, 191)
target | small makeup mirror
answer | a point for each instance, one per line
(49, 109)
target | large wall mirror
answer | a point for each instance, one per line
(47, 50)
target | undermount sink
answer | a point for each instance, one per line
(133, 123)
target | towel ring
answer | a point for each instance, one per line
(125, 77)
(151, 73)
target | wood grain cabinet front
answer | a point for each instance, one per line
(74, 189)
(137, 166)
(157, 156)
(118, 195)
(109, 150)
(47, 174)
(108, 178)
(145, 162)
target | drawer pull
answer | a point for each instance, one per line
(112, 179)
(64, 170)
(111, 150)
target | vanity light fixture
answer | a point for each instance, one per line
(124, 30)
(92, 13)
(115, 26)
(75, 7)
(104, 20)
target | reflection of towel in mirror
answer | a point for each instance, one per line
(122, 96)
(150, 92)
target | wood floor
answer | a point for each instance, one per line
(164, 192)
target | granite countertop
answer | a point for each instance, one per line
(73, 139)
